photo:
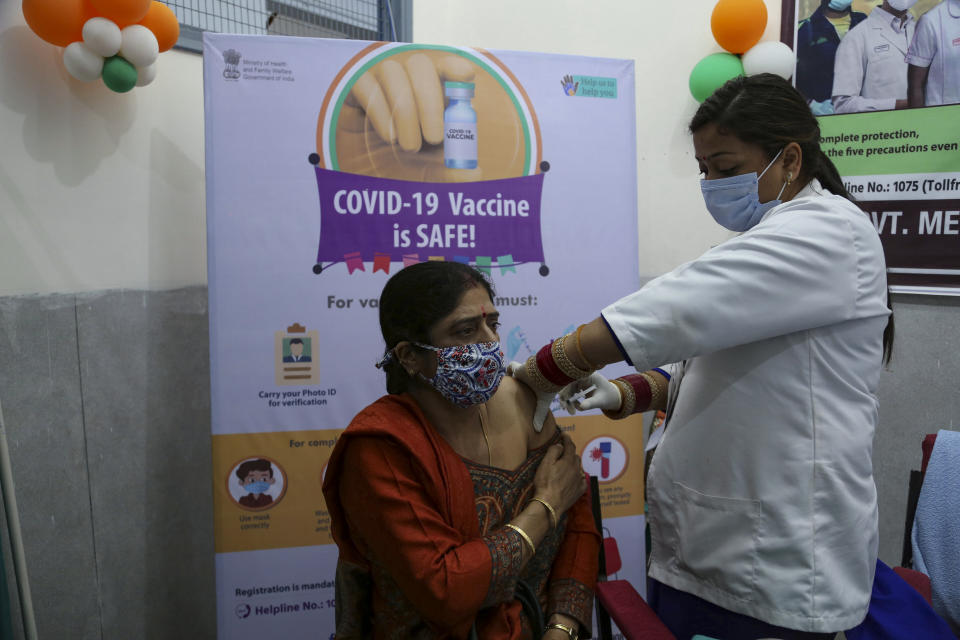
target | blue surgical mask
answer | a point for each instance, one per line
(260, 486)
(840, 5)
(467, 374)
(901, 5)
(735, 202)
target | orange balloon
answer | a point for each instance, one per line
(163, 22)
(738, 24)
(123, 12)
(59, 22)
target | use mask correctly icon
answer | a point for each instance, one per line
(260, 486)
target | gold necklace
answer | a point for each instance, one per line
(483, 430)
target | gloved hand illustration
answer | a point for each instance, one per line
(391, 123)
(404, 102)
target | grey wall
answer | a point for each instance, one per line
(918, 395)
(106, 403)
(106, 399)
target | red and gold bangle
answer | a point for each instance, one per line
(628, 400)
(540, 381)
(549, 368)
(563, 360)
(655, 391)
(639, 391)
(642, 387)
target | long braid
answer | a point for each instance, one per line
(826, 172)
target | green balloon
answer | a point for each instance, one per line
(119, 75)
(710, 73)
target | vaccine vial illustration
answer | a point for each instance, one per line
(459, 127)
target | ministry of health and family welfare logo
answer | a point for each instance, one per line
(231, 58)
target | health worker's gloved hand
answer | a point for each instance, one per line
(605, 395)
(544, 396)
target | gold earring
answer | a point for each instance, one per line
(789, 177)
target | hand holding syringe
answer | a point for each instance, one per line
(592, 392)
(574, 400)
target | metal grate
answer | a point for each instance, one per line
(355, 19)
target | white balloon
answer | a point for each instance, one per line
(145, 75)
(102, 36)
(769, 57)
(81, 63)
(139, 46)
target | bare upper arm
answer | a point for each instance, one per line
(517, 401)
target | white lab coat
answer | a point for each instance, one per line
(761, 493)
(936, 44)
(870, 70)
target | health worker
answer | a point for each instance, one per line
(933, 74)
(817, 40)
(870, 70)
(762, 503)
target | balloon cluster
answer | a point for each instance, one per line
(737, 26)
(117, 40)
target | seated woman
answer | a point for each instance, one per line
(451, 513)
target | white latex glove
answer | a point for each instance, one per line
(605, 394)
(544, 398)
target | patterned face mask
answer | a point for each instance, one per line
(467, 374)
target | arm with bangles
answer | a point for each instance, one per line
(638, 392)
(530, 521)
(573, 574)
(574, 567)
(446, 577)
(576, 357)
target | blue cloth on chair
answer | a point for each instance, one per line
(936, 527)
(898, 612)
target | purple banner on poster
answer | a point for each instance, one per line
(369, 218)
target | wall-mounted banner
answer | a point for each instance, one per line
(886, 86)
(330, 166)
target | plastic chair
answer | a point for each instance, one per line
(617, 599)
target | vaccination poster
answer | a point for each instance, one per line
(886, 88)
(330, 166)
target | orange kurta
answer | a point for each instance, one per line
(411, 509)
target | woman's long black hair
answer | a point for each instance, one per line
(766, 110)
(414, 300)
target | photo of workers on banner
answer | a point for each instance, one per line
(869, 55)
